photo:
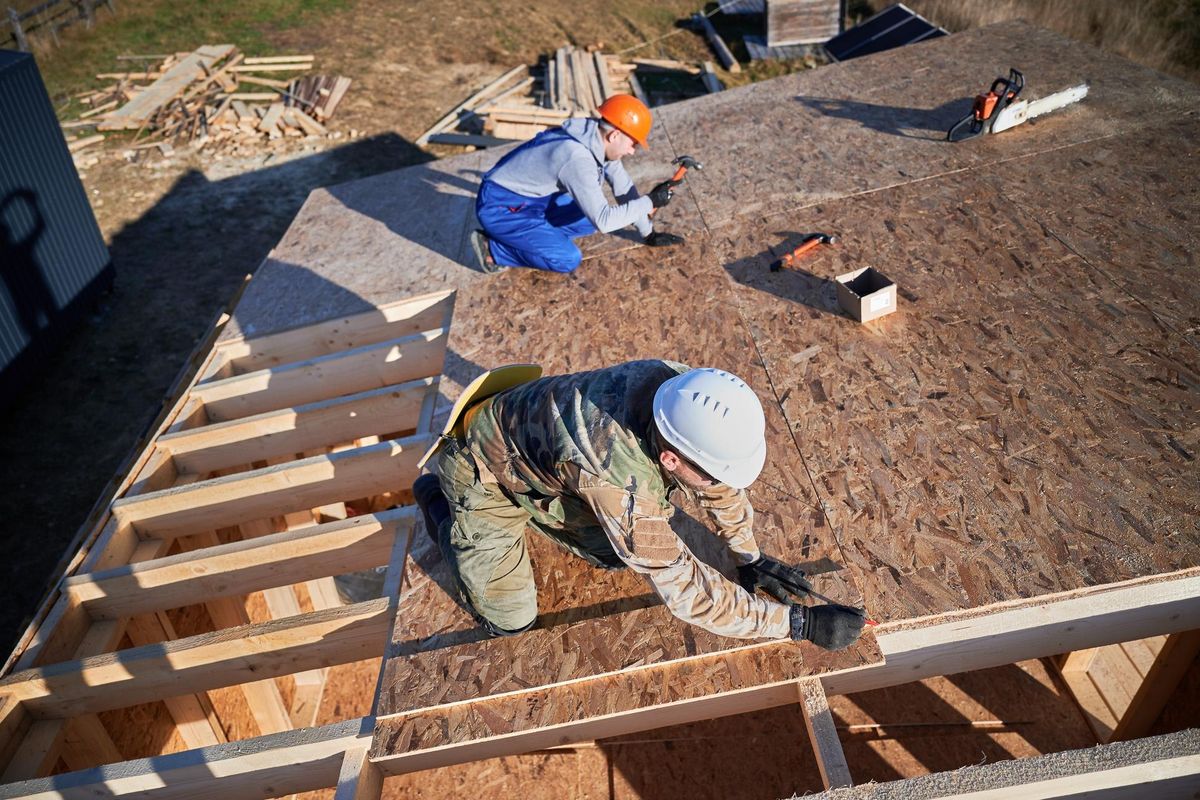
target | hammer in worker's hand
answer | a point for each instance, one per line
(811, 241)
(685, 163)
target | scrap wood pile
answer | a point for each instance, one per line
(572, 82)
(213, 96)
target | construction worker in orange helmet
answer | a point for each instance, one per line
(546, 193)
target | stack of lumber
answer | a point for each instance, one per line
(524, 101)
(213, 96)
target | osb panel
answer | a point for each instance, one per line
(881, 120)
(365, 243)
(1007, 433)
(142, 730)
(1129, 206)
(630, 690)
(592, 621)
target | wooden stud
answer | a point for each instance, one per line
(359, 779)
(205, 661)
(1170, 665)
(370, 367)
(304, 484)
(831, 761)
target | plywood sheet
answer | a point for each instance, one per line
(644, 304)
(1007, 432)
(881, 120)
(359, 245)
(1129, 206)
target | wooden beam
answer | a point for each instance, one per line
(294, 486)
(265, 766)
(831, 761)
(1005, 633)
(386, 410)
(469, 139)
(718, 44)
(1170, 665)
(241, 567)
(206, 661)
(465, 105)
(359, 778)
(369, 367)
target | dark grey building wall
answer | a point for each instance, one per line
(52, 255)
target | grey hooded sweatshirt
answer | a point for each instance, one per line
(575, 164)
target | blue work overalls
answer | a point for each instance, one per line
(532, 231)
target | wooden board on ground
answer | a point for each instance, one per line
(141, 108)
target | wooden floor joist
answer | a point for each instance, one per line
(823, 736)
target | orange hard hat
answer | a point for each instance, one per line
(628, 115)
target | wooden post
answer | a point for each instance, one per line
(835, 773)
(14, 19)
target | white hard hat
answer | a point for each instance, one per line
(716, 421)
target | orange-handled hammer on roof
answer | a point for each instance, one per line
(685, 163)
(811, 241)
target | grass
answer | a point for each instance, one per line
(165, 26)
(1161, 34)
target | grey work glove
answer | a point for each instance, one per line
(659, 239)
(832, 626)
(662, 193)
(785, 583)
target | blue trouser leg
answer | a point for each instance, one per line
(532, 231)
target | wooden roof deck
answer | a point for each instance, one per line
(1019, 436)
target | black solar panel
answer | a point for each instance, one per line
(895, 26)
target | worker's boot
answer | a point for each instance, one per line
(483, 254)
(427, 491)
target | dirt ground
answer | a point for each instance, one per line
(184, 231)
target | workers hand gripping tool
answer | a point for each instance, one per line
(810, 242)
(685, 163)
(784, 582)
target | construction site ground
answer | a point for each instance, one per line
(973, 218)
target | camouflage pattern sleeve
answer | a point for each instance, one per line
(731, 512)
(696, 593)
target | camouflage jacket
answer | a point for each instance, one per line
(577, 450)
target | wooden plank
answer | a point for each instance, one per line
(87, 744)
(1004, 633)
(297, 67)
(325, 110)
(1115, 677)
(205, 661)
(277, 59)
(359, 779)
(724, 55)
(265, 766)
(509, 92)
(274, 84)
(1173, 661)
(711, 82)
(138, 111)
(1142, 652)
(483, 93)
(469, 140)
(1097, 712)
(391, 321)
(831, 761)
(37, 753)
(390, 409)
(270, 121)
(370, 367)
(606, 90)
(308, 483)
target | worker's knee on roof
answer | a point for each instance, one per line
(567, 262)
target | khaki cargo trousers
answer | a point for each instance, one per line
(484, 541)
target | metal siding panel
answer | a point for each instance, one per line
(69, 253)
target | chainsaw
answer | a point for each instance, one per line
(999, 109)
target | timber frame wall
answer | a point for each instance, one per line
(212, 567)
(243, 493)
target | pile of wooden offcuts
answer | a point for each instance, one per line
(527, 100)
(213, 97)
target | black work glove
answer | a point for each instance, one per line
(661, 194)
(782, 581)
(832, 627)
(659, 239)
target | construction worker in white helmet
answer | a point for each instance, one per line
(548, 192)
(589, 459)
